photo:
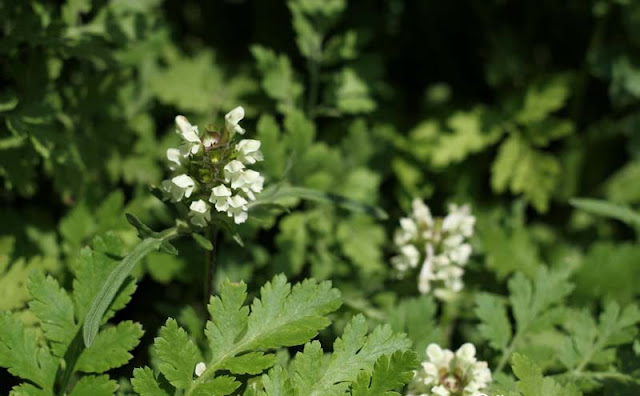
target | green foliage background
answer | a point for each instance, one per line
(512, 106)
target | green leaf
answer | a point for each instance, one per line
(54, 309)
(278, 78)
(177, 355)
(94, 386)
(526, 171)
(202, 241)
(145, 384)
(543, 99)
(110, 287)
(277, 383)
(288, 316)
(589, 342)
(417, 318)
(218, 386)
(608, 209)
(351, 93)
(21, 355)
(353, 353)
(110, 348)
(532, 383)
(8, 101)
(530, 301)
(281, 192)
(389, 374)
(92, 268)
(495, 326)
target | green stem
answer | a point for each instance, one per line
(210, 264)
(449, 314)
(508, 352)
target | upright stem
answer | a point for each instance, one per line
(210, 264)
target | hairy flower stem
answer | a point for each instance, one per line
(210, 264)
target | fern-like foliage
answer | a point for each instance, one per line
(60, 315)
(242, 338)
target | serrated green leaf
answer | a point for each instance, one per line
(54, 309)
(390, 373)
(94, 386)
(111, 348)
(526, 171)
(531, 299)
(145, 384)
(543, 99)
(532, 383)
(277, 383)
(354, 352)
(21, 355)
(177, 355)
(417, 318)
(219, 386)
(278, 78)
(495, 326)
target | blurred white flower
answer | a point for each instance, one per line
(445, 373)
(173, 155)
(200, 213)
(252, 182)
(249, 151)
(179, 187)
(439, 243)
(232, 120)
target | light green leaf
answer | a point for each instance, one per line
(390, 373)
(21, 355)
(351, 93)
(219, 386)
(111, 286)
(279, 80)
(532, 383)
(177, 355)
(495, 326)
(94, 386)
(543, 99)
(54, 309)
(526, 171)
(110, 348)
(145, 384)
(353, 353)
(608, 209)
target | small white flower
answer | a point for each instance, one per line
(249, 151)
(200, 213)
(252, 182)
(232, 120)
(408, 231)
(220, 197)
(179, 187)
(173, 155)
(238, 209)
(459, 220)
(200, 368)
(189, 134)
(440, 391)
(233, 173)
(422, 213)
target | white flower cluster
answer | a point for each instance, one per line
(450, 374)
(214, 167)
(437, 247)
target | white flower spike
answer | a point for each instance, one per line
(419, 237)
(446, 373)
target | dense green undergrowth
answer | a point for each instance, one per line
(340, 266)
